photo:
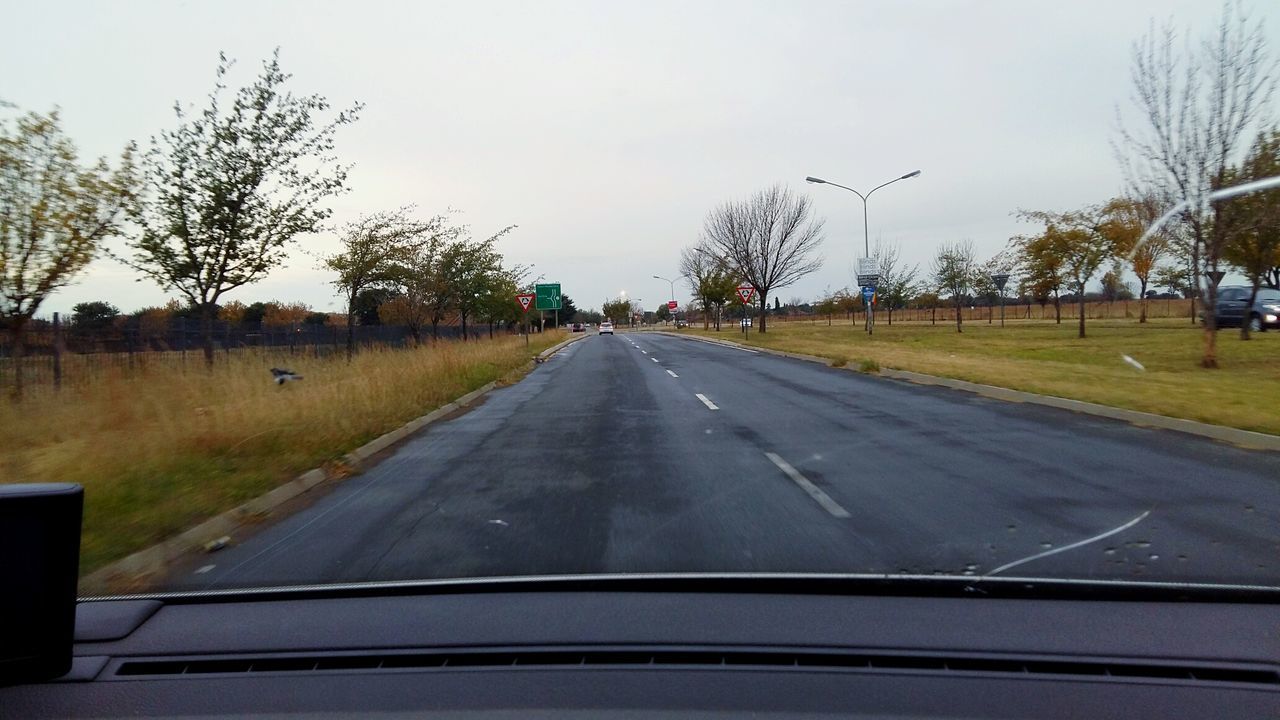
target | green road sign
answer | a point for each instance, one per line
(548, 296)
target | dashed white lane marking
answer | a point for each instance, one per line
(814, 491)
(204, 569)
(710, 405)
(672, 374)
(646, 352)
(654, 359)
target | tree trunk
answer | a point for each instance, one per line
(1193, 309)
(959, 321)
(1057, 308)
(351, 327)
(1142, 313)
(933, 315)
(463, 315)
(435, 328)
(1081, 332)
(18, 339)
(206, 331)
(764, 308)
(490, 328)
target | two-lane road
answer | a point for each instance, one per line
(652, 453)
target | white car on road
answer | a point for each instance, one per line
(606, 327)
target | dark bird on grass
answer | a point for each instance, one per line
(283, 376)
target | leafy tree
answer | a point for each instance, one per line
(229, 189)
(568, 311)
(54, 215)
(1254, 247)
(953, 268)
(368, 304)
(94, 315)
(1130, 217)
(372, 246)
(234, 312)
(254, 312)
(1084, 240)
(662, 314)
(616, 310)
(316, 318)
(1040, 264)
(280, 314)
(771, 239)
(1113, 288)
(467, 269)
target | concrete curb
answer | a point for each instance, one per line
(1235, 436)
(133, 569)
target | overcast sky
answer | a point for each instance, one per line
(606, 132)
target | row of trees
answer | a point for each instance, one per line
(211, 205)
(427, 270)
(214, 204)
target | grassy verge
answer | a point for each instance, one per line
(1046, 358)
(160, 450)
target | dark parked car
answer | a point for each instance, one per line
(577, 327)
(1234, 309)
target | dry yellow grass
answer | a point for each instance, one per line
(1046, 358)
(162, 449)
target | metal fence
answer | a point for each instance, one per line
(54, 354)
(1116, 310)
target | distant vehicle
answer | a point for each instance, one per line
(578, 327)
(1233, 308)
(606, 327)
(681, 324)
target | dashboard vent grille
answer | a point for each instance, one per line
(700, 658)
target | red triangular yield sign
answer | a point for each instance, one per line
(745, 292)
(525, 300)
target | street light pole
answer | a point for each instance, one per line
(866, 235)
(672, 283)
(866, 231)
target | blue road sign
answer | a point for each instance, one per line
(867, 294)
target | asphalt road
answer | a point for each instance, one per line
(651, 453)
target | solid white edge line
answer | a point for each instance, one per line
(710, 405)
(672, 374)
(814, 491)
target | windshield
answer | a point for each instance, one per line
(412, 291)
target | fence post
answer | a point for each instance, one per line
(57, 352)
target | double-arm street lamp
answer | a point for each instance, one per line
(866, 243)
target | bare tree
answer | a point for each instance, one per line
(897, 283)
(1197, 110)
(229, 189)
(770, 238)
(54, 214)
(953, 268)
(373, 246)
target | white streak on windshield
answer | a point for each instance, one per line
(1072, 546)
(1223, 194)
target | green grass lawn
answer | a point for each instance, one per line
(1047, 358)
